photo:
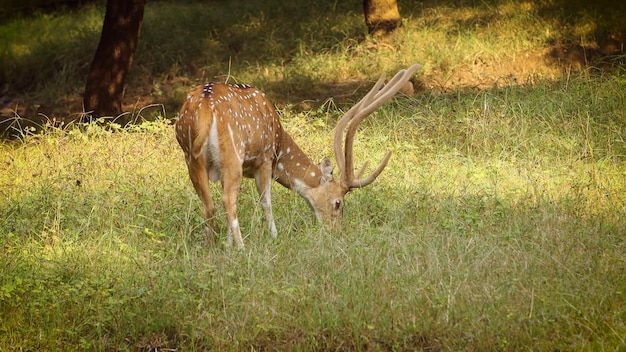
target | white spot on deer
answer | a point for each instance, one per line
(280, 166)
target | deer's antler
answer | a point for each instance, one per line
(376, 97)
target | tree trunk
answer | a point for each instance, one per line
(382, 17)
(113, 58)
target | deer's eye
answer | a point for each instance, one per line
(338, 204)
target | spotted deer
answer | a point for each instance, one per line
(231, 131)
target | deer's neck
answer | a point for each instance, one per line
(292, 167)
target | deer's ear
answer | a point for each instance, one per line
(327, 171)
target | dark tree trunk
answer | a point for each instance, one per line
(382, 17)
(113, 58)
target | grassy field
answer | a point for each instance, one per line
(499, 223)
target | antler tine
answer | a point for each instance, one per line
(345, 120)
(372, 101)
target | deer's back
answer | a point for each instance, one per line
(229, 124)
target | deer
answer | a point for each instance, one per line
(231, 131)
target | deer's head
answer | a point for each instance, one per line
(326, 198)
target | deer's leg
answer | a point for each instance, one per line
(263, 178)
(231, 181)
(200, 180)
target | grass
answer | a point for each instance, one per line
(498, 224)
(492, 229)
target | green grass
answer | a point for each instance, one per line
(498, 224)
